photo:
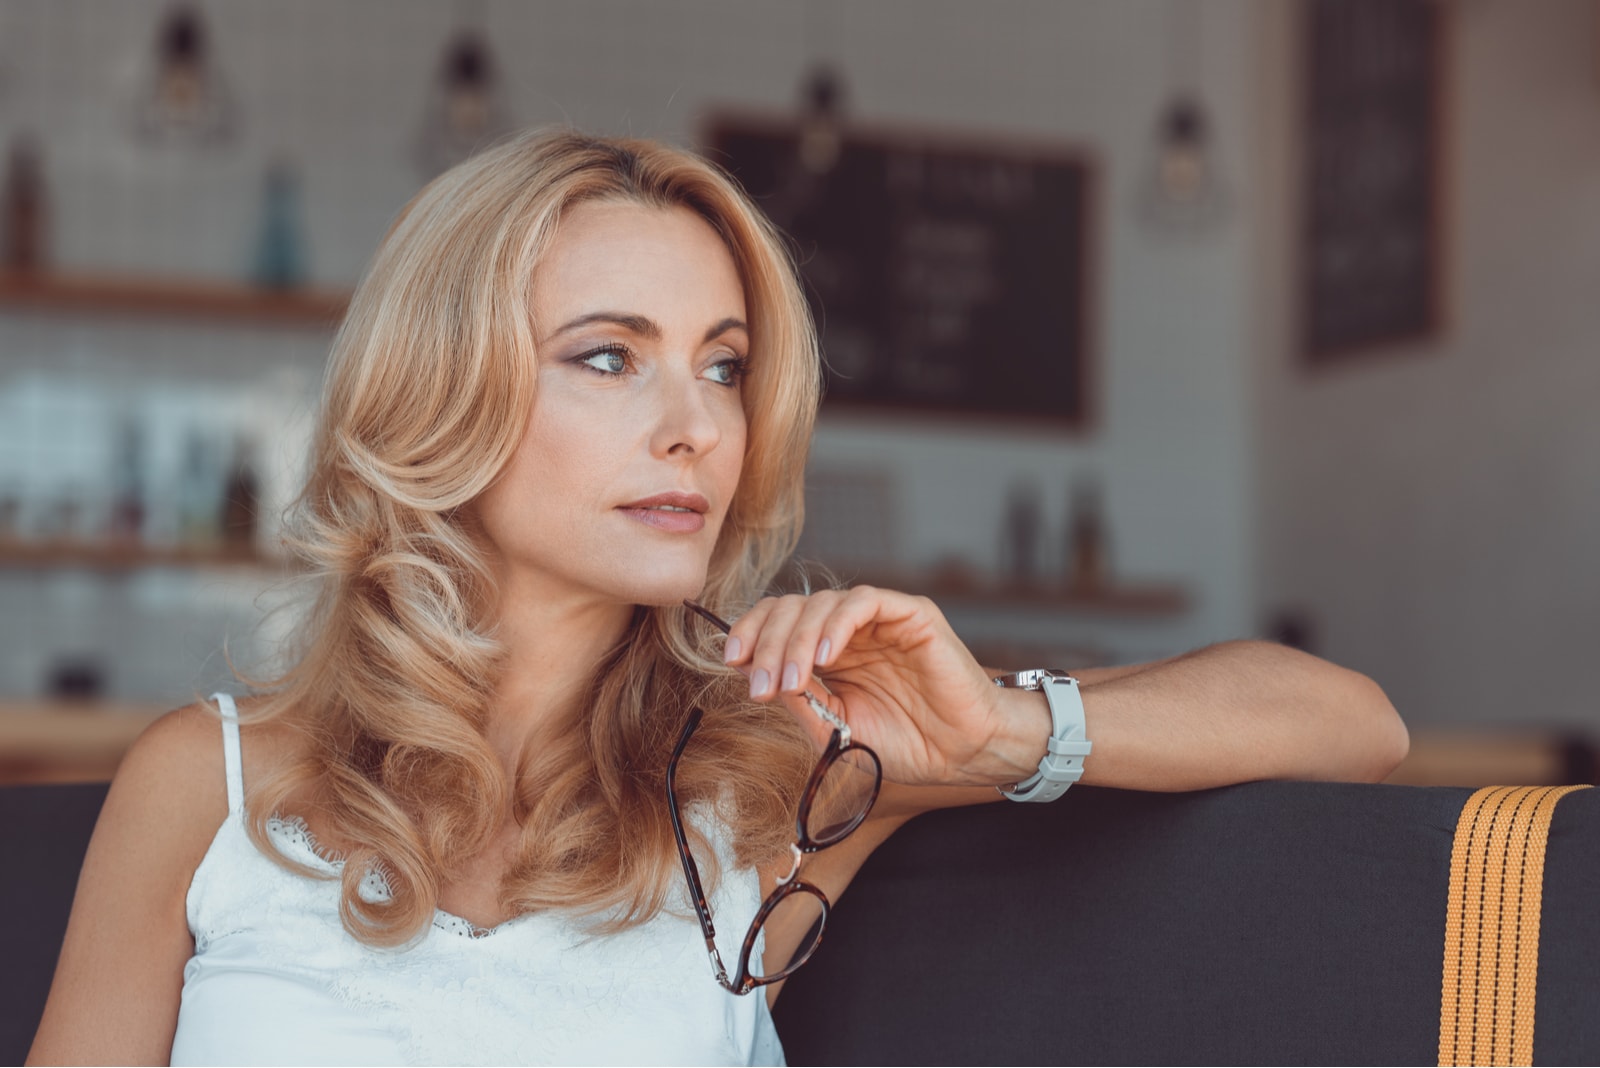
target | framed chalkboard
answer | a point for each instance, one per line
(1371, 211)
(948, 275)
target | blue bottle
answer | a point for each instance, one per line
(280, 260)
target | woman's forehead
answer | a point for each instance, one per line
(667, 265)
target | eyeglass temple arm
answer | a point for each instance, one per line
(691, 870)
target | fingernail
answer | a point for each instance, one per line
(730, 652)
(759, 682)
(791, 676)
(823, 650)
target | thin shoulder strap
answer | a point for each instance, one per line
(232, 765)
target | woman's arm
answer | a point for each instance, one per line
(117, 985)
(1227, 713)
(1235, 712)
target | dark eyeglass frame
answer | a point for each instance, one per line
(804, 844)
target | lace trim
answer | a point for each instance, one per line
(450, 923)
(291, 831)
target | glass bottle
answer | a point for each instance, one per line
(241, 499)
(24, 207)
(280, 262)
(1087, 565)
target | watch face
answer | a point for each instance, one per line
(1032, 678)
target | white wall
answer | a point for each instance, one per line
(1173, 437)
(1437, 509)
(339, 87)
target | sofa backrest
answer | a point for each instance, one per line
(1269, 923)
(44, 831)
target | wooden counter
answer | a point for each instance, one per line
(57, 741)
(1485, 756)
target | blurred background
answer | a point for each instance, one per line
(1152, 323)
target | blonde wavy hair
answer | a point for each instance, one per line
(429, 386)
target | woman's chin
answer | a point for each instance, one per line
(664, 590)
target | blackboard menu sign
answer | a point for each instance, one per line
(1371, 195)
(946, 276)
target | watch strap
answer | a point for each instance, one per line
(1068, 745)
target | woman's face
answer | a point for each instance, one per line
(636, 437)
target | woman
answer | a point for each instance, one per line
(575, 389)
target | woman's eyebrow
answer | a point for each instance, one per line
(643, 326)
(723, 327)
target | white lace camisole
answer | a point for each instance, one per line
(275, 978)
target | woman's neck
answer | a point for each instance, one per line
(552, 645)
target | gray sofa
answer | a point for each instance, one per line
(1270, 923)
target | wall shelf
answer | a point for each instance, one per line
(1135, 601)
(49, 293)
(107, 556)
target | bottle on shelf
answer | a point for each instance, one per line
(280, 259)
(1019, 549)
(125, 524)
(241, 498)
(76, 676)
(25, 206)
(199, 494)
(10, 510)
(1087, 563)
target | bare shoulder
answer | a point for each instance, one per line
(175, 768)
(174, 771)
(169, 795)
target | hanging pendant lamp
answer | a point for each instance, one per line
(1181, 190)
(185, 101)
(466, 108)
(821, 121)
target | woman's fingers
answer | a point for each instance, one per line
(770, 671)
(776, 642)
(804, 649)
(782, 641)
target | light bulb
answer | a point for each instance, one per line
(1182, 190)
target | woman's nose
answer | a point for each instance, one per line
(687, 425)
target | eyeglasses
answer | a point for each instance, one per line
(838, 796)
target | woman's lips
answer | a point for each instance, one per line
(677, 522)
(677, 512)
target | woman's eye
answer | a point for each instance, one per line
(728, 372)
(607, 361)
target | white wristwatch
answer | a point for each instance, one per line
(1062, 764)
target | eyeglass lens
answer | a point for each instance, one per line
(843, 797)
(799, 911)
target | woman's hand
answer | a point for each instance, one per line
(899, 676)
